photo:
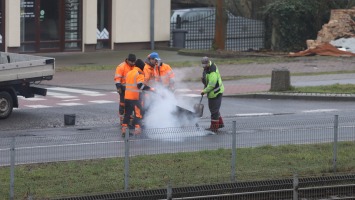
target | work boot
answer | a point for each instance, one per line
(137, 130)
(123, 130)
(214, 126)
(221, 124)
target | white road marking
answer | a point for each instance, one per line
(32, 99)
(38, 106)
(190, 95)
(253, 114)
(319, 110)
(102, 101)
(94, 95)
(73, 97)
(71, 100)
(63, 145)
(60, 95)
(70, 104)
(71, 90)
(183, 90)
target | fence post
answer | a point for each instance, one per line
(295, 186)
(169, 192)
(12, 168)
(335, 144)
(234, 150)
(126, 160)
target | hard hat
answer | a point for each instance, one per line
(154, 55)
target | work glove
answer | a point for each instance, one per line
(118, 87)
(202, 93)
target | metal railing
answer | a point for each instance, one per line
(242, 34)
(159, 157)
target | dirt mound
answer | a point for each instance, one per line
(325, 49)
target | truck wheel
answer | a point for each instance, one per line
(6, 105)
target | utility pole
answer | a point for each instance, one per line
(220, 26)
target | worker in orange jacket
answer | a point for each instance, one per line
(134, 87)
(149, 79)
(149, 71)
(120, 80)
(163, 73)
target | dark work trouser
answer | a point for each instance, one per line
(122, 104)
(214, 104)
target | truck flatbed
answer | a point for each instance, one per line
(21, 67)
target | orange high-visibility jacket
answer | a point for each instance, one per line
(121, 73)
(164, 74)
(134, 77)
(148, 74)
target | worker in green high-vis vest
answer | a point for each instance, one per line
(213, 87)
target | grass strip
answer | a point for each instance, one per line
(77, 178)
(231, 61)
(334, 89)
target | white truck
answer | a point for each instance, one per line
(18, 74)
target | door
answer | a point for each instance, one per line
(103, 32)
(48, 38)
(50, 25)
(2, 25)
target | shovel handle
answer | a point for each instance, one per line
(201, 99)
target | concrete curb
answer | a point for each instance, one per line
(298, 96)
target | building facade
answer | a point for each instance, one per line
(29, 26)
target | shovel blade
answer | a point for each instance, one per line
(183, 111)
(198, 108)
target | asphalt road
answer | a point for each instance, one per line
(43, 128)
(43, 137)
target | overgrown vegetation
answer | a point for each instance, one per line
(291, 22)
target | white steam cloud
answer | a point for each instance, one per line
(164, 110)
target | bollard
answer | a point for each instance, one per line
(280, 80)
(69, 119)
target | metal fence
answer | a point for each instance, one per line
(197, 31)
(93, 162)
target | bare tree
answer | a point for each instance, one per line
(220, 26)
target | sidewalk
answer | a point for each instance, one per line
(250, 88)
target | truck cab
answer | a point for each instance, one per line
(18, 75)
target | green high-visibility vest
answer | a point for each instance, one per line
(214, 85)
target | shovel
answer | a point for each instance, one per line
(198, 108)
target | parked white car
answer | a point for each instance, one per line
(192, 13)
